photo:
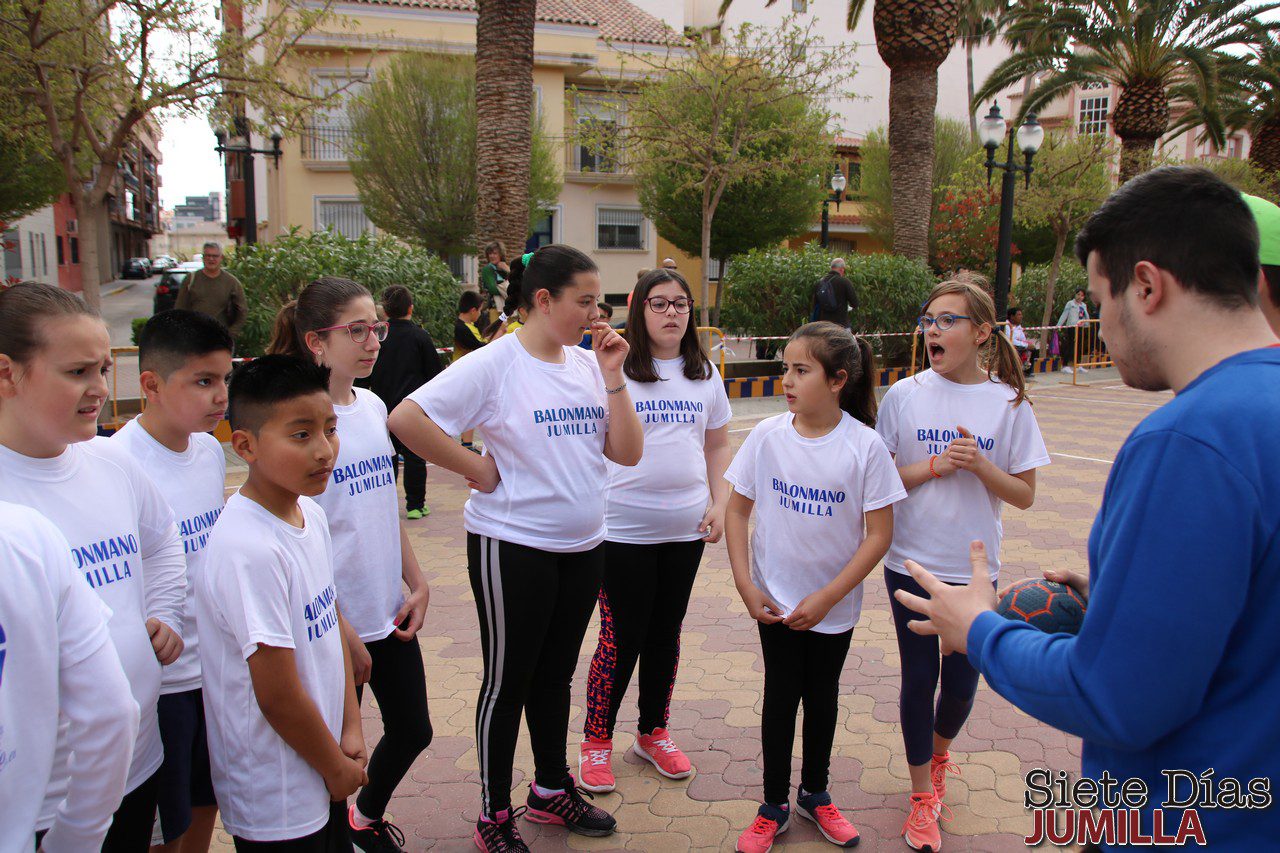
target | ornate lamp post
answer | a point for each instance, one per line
(1030, 136)
(239, 145)
(838, 183)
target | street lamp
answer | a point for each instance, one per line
(1030, 136)
(246, 151)
(838, 183)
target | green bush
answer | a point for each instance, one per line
(1028, 294)
(136, 325)
(273, 273)
(770, 292)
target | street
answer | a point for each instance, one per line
(122, 300)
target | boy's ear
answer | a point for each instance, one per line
(150, 383)
(245, 444)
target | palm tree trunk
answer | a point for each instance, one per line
(913, 95)
(1135, 156)
(1265, 151)
(1059, 245)
(973, 110)
(504, 113)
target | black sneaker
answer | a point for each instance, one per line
(378, 837)
(500, 835)
(570, 810)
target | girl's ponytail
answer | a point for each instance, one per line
(284, 333)
(836, 349)
(858, 397)
(1003, 361)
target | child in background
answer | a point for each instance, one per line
(58, 662)
(466, 335)
(965, 442)
(185, 362)
(660, 515)
(606, 314)
(54, 358)
(822, 484)
(334, 322)
(285, 740)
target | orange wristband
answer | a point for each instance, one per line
(931, 471)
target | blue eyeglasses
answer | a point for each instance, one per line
(942, 321)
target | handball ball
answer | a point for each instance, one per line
(1052, 607)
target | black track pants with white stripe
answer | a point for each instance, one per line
(534, 607)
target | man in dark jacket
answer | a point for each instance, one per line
(408, 360)
(833, 296)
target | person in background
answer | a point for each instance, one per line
(1028, 348)
(493, 275)
(606, 314)
(215, 292)
(1074, 313)
(834, 297)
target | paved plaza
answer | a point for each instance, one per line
(716, 707)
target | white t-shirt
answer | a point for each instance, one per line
(364, 518)
(918, 418)
(125, 544)
(664, 498)
(49, 622)
(193, 483)
(810, 495)
(544, 425)
(1018, 335)
(268, 582)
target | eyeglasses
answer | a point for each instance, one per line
(659, 304)
(942, 321)
(359, 330)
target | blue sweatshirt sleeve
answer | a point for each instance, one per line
(1171, 558)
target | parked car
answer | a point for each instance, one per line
(136, 268)
(162, 263)
(170, 281)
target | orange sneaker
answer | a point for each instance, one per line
(770, 822)
(939, 767)
(595, 766)
(659, 750)
(921, 829)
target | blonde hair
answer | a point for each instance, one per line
(997, 355)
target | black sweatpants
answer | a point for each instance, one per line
(799, 666)
(923, 665)
(643, 600)
(399, 683)
(131, 825)
(333, 837)
(415, 475)
(534, 607)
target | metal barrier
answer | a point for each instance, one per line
(711, 332)
(1089, 348)
(116, 420)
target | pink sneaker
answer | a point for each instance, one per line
(921, 829)
(658, 750)
(939, 767)
(595, 768)
(770, 822)
(832, 824)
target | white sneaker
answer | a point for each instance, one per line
(1082, 369)
(1068, 369)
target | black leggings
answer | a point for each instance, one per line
(399, 684)
(799, 666)
(642, 604)
(131, 825)
(534, 607)
(922, 662)
(415, 476)
(333, 837)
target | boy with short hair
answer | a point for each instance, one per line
(185, 361)
(285, 740)
(466, 336)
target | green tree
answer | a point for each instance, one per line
(31, 177)
(413, 153)
(700, 114)
(1251, 95)
(956, 154)
(97, 70)
(1072, 178)
(1158, 53)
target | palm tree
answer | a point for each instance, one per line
(1157, 53)
(979, 24)
(504, 112)
(1252, 100)
(913, 38)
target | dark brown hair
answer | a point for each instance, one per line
(495, 245)
(836, 349)
(639, 363)
(23, 310)
(317, 307)
(396, 301)
(998, 355)
(552, 269)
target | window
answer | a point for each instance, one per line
(599, 123)
(1235, 145)
(345, 216)
(75, 250)
(61, 259)
(13, 254)
(620, 228)
(328, 135)
(854, 187)
(717, 269)
(799, 5)
(542, 234)
(1094, 84)
(457, 266)
(1093, 114)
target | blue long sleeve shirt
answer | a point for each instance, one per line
(1177, 664)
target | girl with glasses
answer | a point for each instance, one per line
(965, 442)
(335, 323)
(660, 515)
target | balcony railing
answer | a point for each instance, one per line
(588, 160)
(326, 142)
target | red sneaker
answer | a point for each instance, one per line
(939, 767)
(921, 829)
(595, 766)
(658, 749)
(833, 826)
(770, 822)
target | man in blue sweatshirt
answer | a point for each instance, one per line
(1177, 664)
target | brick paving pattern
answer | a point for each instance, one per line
(716, 706)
